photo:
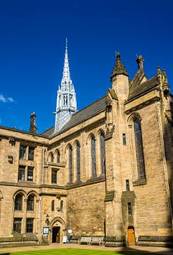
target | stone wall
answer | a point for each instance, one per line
(152, 204)
(86, 210)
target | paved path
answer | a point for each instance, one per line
(148, 250)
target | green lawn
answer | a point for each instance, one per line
(67, 252)
(71, 251)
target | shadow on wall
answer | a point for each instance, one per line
(133, 251)
(168, 141)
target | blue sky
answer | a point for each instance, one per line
(32, 38)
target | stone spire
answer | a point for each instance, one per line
(119, 68)
(66, 70)
(66, 97)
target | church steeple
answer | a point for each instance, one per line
(66, 97)
(66, 70)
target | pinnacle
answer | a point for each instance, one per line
(66, 69)
(119, 68)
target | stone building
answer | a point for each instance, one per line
(104, 171)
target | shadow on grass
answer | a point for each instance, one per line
(71, 251)
(133, 251)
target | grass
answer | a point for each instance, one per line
(71, 251)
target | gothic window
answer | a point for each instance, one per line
(129, 207)
(57, 153)
(30, 172)
(17, 223)
(93, 156)
(22, 151)
(31, 153)
(102, 152)
(127, 185)
(65, 98)
(139, 148)
(21, 173)
(30, 203)
(124, 139)
(70, 163)
(53, 205)
(18, 202)
(50, 157)
(109, 113)
(54, 176)
(78, 160)
(29, 225)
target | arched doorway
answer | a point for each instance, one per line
(131, 236)
(56, 234)
(57, 230)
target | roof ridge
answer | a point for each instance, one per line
(46, 130)
(20, 131)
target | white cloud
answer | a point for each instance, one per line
(4, 99)
(10, 99)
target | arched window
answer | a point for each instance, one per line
(57, 156)
(78, 160)
(93, 156)
(18, 202)
(30, 203)
(50, 157)
(139, 149)
(53, 205)
(102, 152)
(70, 163)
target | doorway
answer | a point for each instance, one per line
(131, 236)
(56, 235)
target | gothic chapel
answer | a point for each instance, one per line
(104, 174)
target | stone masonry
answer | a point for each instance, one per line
(107, 173)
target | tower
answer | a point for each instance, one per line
(66, 97)
(119, 78)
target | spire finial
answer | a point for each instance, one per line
(140, 62)
(119, 68)
(66, 70)
(66, 43)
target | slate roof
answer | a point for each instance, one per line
(81, 116)
(20, 131)
(139, 89)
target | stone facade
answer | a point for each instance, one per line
(119, 187)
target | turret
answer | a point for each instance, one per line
(119, 78)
